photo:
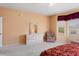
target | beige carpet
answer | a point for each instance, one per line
(28, 50)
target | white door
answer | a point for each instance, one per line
(0, 31)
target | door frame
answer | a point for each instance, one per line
(1, 45)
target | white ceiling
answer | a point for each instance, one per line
(42, 8)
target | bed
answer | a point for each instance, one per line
(62, 50)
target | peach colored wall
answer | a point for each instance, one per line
(53, 25)
(16, 23)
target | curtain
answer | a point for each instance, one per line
(68, 17)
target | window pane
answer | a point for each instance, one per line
(73, 27)
(61, 27)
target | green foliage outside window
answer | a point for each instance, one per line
(61, 29)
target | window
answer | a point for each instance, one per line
(61, 27)
(73, 27)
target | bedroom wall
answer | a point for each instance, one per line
(16, 23)
(53, 20)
